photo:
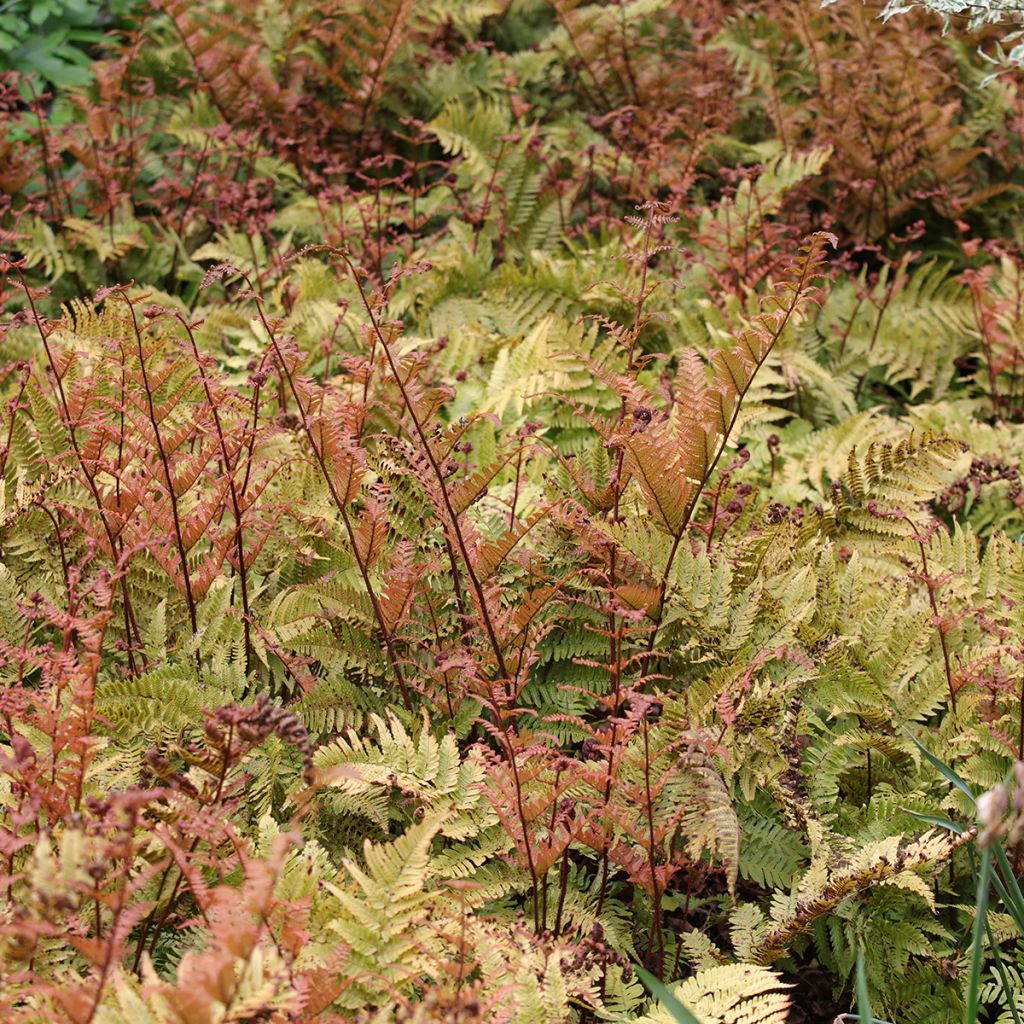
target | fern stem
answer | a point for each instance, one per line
(615, 633)
(563, 19)
(656, 940)
(931, 586)
(129, 617)
(53, 192)
(452, 517)
(364, 570)
(485, 204)
(515, 490)
(60, 546)
(173, 15)
(563, 887)
(166, 465)
(385, 51)
(221, 776)
(229, 469)
(187, 206)
(14, 406)
(147, 924)
(113, 947)
(798, 287)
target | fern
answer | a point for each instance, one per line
(733, 992)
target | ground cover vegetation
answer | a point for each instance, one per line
(511, 511)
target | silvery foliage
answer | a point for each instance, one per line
(1009, 13)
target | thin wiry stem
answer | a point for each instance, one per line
(236, 507)
(131, 627)
(339, 502)
(164, 463)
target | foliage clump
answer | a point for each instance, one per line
(505, 503)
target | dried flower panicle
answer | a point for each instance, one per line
(1001, 812)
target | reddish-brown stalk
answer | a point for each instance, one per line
(452, 520)
(112, 947)
(15, 407)
(229, 470)
(656, 940)
(451, 524)
(165, 464)
(131, 628)
(339, 503)
(797, 295)
(932, 585)
(616, 625)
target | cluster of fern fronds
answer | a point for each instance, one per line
(503, 503)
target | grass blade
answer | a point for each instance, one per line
(943, 769)
(1001, 971)
(978, 937)
(935, 821)
(863, 1000)
(679, 1013)
(1012, 896)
